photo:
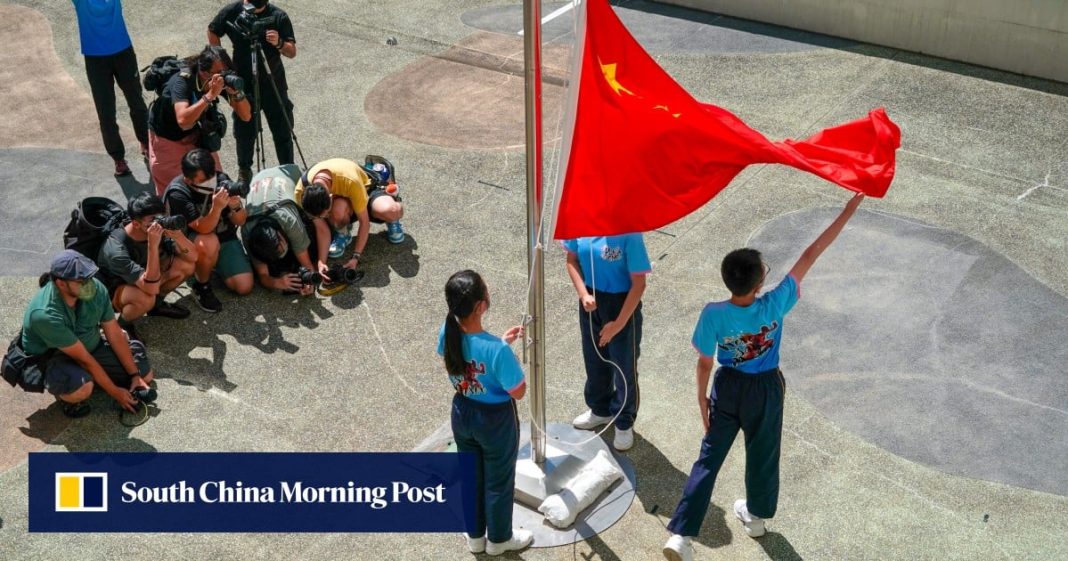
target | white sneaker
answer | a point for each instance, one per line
(754, 525)
(678, 548)
(520, 539)
(588, 420)
(624, 439)
(476, 545)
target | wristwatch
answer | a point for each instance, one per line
(356, 255)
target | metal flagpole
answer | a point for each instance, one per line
(545, 469)
(535, 252)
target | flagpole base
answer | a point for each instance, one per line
(562, 461)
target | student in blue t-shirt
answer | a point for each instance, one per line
(609, 277)
(488, 380)
(744, 334)
(110, 59)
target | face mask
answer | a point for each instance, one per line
(87, 291)
(211, 183)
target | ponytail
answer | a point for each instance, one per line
(463, 292)
(454, 348)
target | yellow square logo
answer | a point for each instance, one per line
(81, 492)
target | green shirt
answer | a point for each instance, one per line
(274, 188)
(49, 323)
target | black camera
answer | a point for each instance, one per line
(234, 188)
(232, 80)
(212, 129)
(308, 277)
(171, 222)
(252, 25)
(144, 395)
(339, 273)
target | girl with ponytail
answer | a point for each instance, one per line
(488, 380)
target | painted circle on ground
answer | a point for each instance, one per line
(930, 345)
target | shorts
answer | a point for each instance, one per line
(371, 199)
(63, 375)
(165, 262)
(232, 258)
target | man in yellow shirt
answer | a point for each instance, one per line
(347, 184)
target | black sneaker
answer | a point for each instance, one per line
(244, 174)
(76, 410)
(206, 299)
(167, 310)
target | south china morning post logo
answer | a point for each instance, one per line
(238, 492)
(81, 492)
(250, 492)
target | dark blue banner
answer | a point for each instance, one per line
(251, 492)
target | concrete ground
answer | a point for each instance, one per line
(926, 414)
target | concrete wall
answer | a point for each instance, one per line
(1024, 36)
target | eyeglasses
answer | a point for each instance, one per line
(767, 270)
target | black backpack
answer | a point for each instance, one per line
(159, 72)
(91, 223)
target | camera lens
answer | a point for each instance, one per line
(309, 277)
(234, 81)
(171, 222)
(235, 188)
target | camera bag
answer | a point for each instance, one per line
(159, 72)
(21, 369)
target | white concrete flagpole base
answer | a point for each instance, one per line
(562, 462)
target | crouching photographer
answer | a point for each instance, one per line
(61, 341)
(185, 115)
(281, 236)
(357, 197)
(210, 203)
(146, 259)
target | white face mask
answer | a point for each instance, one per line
(210, 184)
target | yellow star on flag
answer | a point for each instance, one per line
(609, 71)
(667, 110)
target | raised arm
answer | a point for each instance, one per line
(813, 252)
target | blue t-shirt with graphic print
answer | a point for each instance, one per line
(747, 338)
(614, 260)
(492, 368)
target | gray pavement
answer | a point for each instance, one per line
(927, 420)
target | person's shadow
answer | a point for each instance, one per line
(255, 321)
(131, 187)
(100, 431)
(380, 257)
(778, 548)
(660, 493)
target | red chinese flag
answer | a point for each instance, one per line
(644, 153)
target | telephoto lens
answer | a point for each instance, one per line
(171, 222)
